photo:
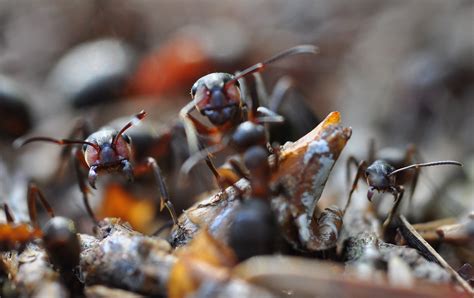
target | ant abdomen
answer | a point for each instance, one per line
(254, 230)
(62, 243)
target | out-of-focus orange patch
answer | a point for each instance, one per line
(205, 258)
(13, 235)
(178, 62)
(139, 213)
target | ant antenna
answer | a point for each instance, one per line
(20, 143)
(135, 120)
(428, 164)
(301, 49)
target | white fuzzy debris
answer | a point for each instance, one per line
(307, 199)
(399, 273)
(315, 147)
(303, 228)
(319, 180)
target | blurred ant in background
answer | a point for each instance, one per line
(59, 237)
(17, 235)
(15, 114)
(109, 150)
(389, 175)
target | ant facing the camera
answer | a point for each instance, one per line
(109, 150)
(218, 97)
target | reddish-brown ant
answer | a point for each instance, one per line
(17, 235)
(59, 237)
(217, 96)
(109, 150)
(382, 176)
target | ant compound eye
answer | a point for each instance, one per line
(194, 89)
(233, 92)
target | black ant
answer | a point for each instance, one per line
(217, 96)
(109, 150)
(254, 230)
(381, 176)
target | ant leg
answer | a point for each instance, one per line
(167, 225)
(262, 93)
(238, 168)
(360, 170)
(80, 130)
(411, 158)
(225, 178)
(398, 194)
(350, 161)
(371, 152)
(8, 214)
(164, 196)
(249, 103)
(279, 91)
(192, 126)
(413, 185)
(268, 116)
(215, 172)
(34, 193)
(77, 158)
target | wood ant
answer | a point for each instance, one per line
(59, 237)
(234, 118)
(254, 230)
(382, 176)
(217, 97)
(17, 235)
(109, 150)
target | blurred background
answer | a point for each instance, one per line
(400, 72)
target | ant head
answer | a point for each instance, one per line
(105, 149)
(110, 148)
(248, 134)
(214, 98)
(377, 175)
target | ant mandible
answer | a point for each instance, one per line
(217, 96)
(381, 176)
(109, 150)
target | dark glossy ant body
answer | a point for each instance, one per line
(109, 150)
(254, 230)
(217, 96)
(382, 176)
